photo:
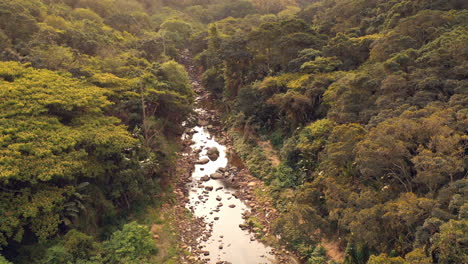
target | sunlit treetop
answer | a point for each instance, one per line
(51, 123)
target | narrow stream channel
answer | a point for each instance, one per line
(214, 200)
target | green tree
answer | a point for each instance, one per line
(312, 140)
(18, 19)
(321, 64)
(3, 260)
(318, 256)
(75, 247)
(132, 244)
(84, 13)
(175, 32)
(350, 98)
(41, 168)
(418, 256)
(341, 146)
(52, 57)
(384, 259)
(448, 245)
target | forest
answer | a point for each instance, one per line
(365, 103)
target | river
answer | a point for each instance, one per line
(215, 201)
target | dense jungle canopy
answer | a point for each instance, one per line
(366, 102)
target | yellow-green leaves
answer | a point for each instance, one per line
(40, 209)
(177, 78)
(46, 120)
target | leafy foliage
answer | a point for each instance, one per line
(131, 244)
(91, 105)
(367, 100)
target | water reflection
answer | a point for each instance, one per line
(214, 201)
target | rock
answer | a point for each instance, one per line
(218, 198)
(232, 205)
(203, 122)
(202, 161)
(216, 176)
(206, 253)
(205, 178)
(219, 188)
(216, 218)
(213, 153)
(252, 184)
(209, 188)
(220, 247)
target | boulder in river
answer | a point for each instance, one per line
(202, 122)
(205, 178)
(216, 176)
(213, 153)
(202, 161)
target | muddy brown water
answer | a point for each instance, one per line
(221, 210)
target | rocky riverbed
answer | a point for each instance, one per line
(219, 193)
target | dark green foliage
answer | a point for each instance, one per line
(366, 102)
(131, 244)
(213, 80)
(75, 247)
(18, 19)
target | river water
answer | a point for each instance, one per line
(220, 209)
